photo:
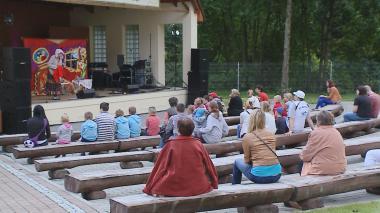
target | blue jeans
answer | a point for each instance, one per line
(240, 167)
(323, 101)
(352, 116)
(238, 129)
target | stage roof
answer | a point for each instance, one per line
(114, 3)
(136, 4)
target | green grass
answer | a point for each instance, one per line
(311, 98)
(370, 207)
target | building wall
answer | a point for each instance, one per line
(31, 19)
(151, 27)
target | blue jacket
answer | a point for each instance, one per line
(89, 130)
(134, 125)
(122, 128)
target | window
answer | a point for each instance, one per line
(132, 43)
(100, 44)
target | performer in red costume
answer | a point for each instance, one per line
(56, 65)
(55, 74)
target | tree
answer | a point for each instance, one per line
(285, 62)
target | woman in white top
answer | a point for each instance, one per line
(270, 123)
(244, 118)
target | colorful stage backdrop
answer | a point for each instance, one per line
(41, 51)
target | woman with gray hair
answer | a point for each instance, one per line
(324, 153)
(235, 106)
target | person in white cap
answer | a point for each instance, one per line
(299, 112)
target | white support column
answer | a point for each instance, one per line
(190, 39)
(160, 59)
(152, 43)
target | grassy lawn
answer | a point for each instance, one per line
(370, 207)
(311, 98)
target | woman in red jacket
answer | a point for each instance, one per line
(183, 167)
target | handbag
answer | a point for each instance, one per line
(32, 142)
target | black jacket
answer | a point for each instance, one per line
(35, 125)
(235, 107)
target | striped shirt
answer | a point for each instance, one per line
(106, 126)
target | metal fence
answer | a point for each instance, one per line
(225, 76)
(247, 75)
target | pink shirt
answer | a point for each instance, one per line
(152, 125)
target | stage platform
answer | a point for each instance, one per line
(76, 108)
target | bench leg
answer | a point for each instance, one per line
(374, 190)
(292, 169)
(58, 174)
(269, 208)
(225, 179)
(94, 195)
(312, 203)
(220, 155)
(31, 160)
(131, 165)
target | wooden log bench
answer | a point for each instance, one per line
(220, 149)
(80, 147)
(258, 198)
(91, 184)
(335, 109)
(7, 142)
(232, 120)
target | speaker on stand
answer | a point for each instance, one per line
(15, 89)
(198, 76)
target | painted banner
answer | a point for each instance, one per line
(74, 62)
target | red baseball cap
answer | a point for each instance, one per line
(213, 94)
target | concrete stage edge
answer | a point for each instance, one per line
(76, 108)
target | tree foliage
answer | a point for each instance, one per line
(345, 33)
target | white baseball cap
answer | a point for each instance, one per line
(299, 94)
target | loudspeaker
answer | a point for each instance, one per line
(199, 60)
(14, 121)
(16, 63)
(15, 94)
(86, 93)
(120, 60)
(198, 76)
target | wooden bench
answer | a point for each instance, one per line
(79, 147)
(335, 109)
(258, 198)
(91, 184)
(8, 141)
(220, 149)
(232, 120)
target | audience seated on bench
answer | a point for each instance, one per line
(324, 153)
(260, 164)
(183, 167)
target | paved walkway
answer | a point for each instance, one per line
(22, 191)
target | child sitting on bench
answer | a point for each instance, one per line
(122, 126)
(89, 129)
(65, 131)
(152, 122)
(134, 122)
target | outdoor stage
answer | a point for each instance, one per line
(76, 108)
